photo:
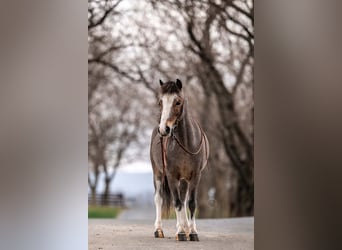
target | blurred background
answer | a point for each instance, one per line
(209, 46)
(43, 111)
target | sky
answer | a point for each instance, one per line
(134, 180)
(137, 167)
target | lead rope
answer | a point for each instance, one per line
(200, 146)
(163, 150)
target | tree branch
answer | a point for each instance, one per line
(247, 14)
(111, 66)
(92, 24)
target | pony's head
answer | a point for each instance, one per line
(171, 104)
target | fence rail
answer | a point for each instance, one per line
(115, 200)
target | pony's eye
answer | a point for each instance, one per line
(178, 103)
(160, 103)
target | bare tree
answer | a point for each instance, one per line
(110, 137)
(120, 93)
(113, 128)
(220, 43)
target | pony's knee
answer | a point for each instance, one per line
(183, 189)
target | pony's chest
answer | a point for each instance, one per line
(178, 158)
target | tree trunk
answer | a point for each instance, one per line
(93, 195)
(240, 153)
(244, 203)
(216, 177)
(106, 192)
(235, 143)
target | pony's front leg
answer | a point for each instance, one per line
(183, 229)
(192, 207)
(158, 201)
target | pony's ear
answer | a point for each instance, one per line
(179, 84)
(161, 82)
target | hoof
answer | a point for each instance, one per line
(159, 233)
(193, 237)
(181, 237)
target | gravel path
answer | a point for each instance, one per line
(138, 213)
(137, 233)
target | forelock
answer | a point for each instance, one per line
(169, 88)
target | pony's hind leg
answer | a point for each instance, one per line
(158, 201)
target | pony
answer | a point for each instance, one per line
(179, 152)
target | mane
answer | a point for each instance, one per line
(170, 88)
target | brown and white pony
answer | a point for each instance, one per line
(179, 152)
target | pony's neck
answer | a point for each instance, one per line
(185, 126)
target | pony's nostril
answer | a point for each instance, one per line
(167, 129)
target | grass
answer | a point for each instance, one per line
(103, 212)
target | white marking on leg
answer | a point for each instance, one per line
(178, 221)
(192, 222)
(158, 201)
(182, 220)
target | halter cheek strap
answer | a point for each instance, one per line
(178, 120)
(181, 115)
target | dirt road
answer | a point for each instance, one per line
(121, 233)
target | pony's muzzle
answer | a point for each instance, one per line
(164, 132)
